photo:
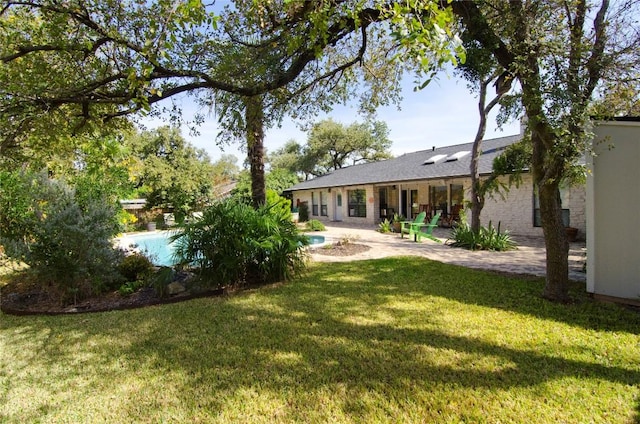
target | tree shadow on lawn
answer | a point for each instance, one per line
(298, 339)
(329, 354)
(517, 293)
(273, 351)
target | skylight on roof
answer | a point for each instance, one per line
(458, 155)
(434, 159)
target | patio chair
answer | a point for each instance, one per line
(406, 226)
(426, 230)
(454, 216)
(427, 209)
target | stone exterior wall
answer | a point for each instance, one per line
(577, 204)
(515, 212)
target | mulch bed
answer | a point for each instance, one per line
(25, 297)
(341, 249)
(17, 298)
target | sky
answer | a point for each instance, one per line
(444, 113)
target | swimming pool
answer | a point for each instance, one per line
(315, 239)
(155, 245)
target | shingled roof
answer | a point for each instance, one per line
(413, 166)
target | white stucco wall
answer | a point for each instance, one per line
(613, 203)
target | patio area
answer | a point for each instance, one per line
(528, 258)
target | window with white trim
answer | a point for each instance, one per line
(323, 204)
(314, 204)
(357, 203)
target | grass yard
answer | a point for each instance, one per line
(391, 340)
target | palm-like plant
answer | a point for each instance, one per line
(233, 240)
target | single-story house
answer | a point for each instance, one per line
(438, 179)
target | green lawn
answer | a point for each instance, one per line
(392, 340)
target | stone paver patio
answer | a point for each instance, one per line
(528, 258)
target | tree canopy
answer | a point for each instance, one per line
(67, 63)
(171, 173)
(225, 169)
(276, 180)
(332, 145)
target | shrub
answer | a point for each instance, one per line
(135, 267)
(303, 212)
(161, 280)
(131, 287)
(126, 219)
(488, 238)
(232, 240)
(67, 244)
(385, 226)
(278, 202)
(346, 239)
(315, 225)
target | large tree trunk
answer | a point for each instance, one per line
(255, 148)
(548, 171)
(546, 176)
(555, 238)
(520, 53)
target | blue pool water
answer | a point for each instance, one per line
(315, 239)
(154, 245)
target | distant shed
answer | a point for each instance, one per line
(133, 206)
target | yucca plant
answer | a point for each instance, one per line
(487, 238)
(385, 226)
(233, 240)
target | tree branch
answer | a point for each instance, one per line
(594, 63)
(479, 30)
(328, 75)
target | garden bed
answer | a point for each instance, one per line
(20, 297)
(340, 249)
